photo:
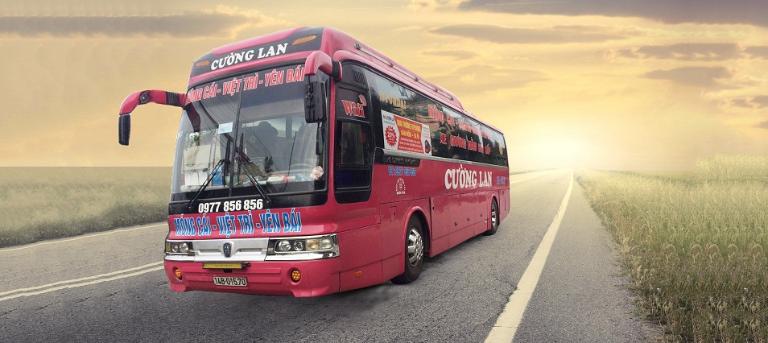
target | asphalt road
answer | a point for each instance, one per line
(109, 287)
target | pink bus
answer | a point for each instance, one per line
(308, 163)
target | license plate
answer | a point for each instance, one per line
(231, 281)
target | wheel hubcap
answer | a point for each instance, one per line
(494, 219)
(415, 247)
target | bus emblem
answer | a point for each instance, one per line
(227, 249)
(400, 186)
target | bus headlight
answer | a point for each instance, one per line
(283, 245)
(303, 248)
(178, 248)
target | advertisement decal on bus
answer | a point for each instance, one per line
(405, 135)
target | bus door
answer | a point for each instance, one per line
(353, 159)
(353, 169)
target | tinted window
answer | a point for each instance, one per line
(353, 146)
(353, 154)
(453, 134)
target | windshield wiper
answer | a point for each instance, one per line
(267, 159)
(243, 157)
(207, 181)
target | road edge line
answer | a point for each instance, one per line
(34, 288)
(85, 283)
(510, 318)
(87, 235)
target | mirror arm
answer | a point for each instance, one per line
(320, 61)
(140, 98)
(156, 96)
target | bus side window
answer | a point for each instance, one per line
(353, 146)
(353, 161)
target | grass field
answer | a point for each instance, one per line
(695, 245)
(44, 203)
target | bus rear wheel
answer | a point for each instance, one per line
(414, 253)
(494, 219)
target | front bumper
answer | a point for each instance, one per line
(318, 277)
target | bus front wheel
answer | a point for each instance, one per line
(414, 252)
(494, 217)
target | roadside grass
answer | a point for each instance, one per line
(45, 203)
(695, 245)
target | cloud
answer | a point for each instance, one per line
(454, 54)
(432, 4)
(762, 125)
(760, 101)
(483, 78)
(669, 11)
(757, 51)
(741, 102)
(556, 34)
(185, 25)
(685, 51)
(704, 77)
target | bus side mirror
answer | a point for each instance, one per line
(124, 129)
(315, 109)
(140, 98)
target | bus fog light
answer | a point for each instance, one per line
(283, 245)
(295, 275)
(177, 273)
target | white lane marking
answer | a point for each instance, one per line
(75, 283)
(509, 320)
(105, 233)
(135, 271)
(534, 175)
(525, 179)
(80, 279)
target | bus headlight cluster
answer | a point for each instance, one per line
(178, 248)
(299, 248)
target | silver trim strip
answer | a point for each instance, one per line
(249, 250)
(211, 250)
(303, 256)
(436, 158)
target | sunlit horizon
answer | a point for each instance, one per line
(632, 90)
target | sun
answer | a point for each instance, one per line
(556, 152)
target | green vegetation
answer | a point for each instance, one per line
(44, 203)
(695, 246)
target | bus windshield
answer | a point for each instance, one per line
(255, 123)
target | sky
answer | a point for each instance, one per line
(607, 84)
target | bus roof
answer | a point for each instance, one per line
(296, 44)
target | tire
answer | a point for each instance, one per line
(494, 219)
(414, 252)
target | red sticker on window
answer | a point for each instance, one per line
(355, 109)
